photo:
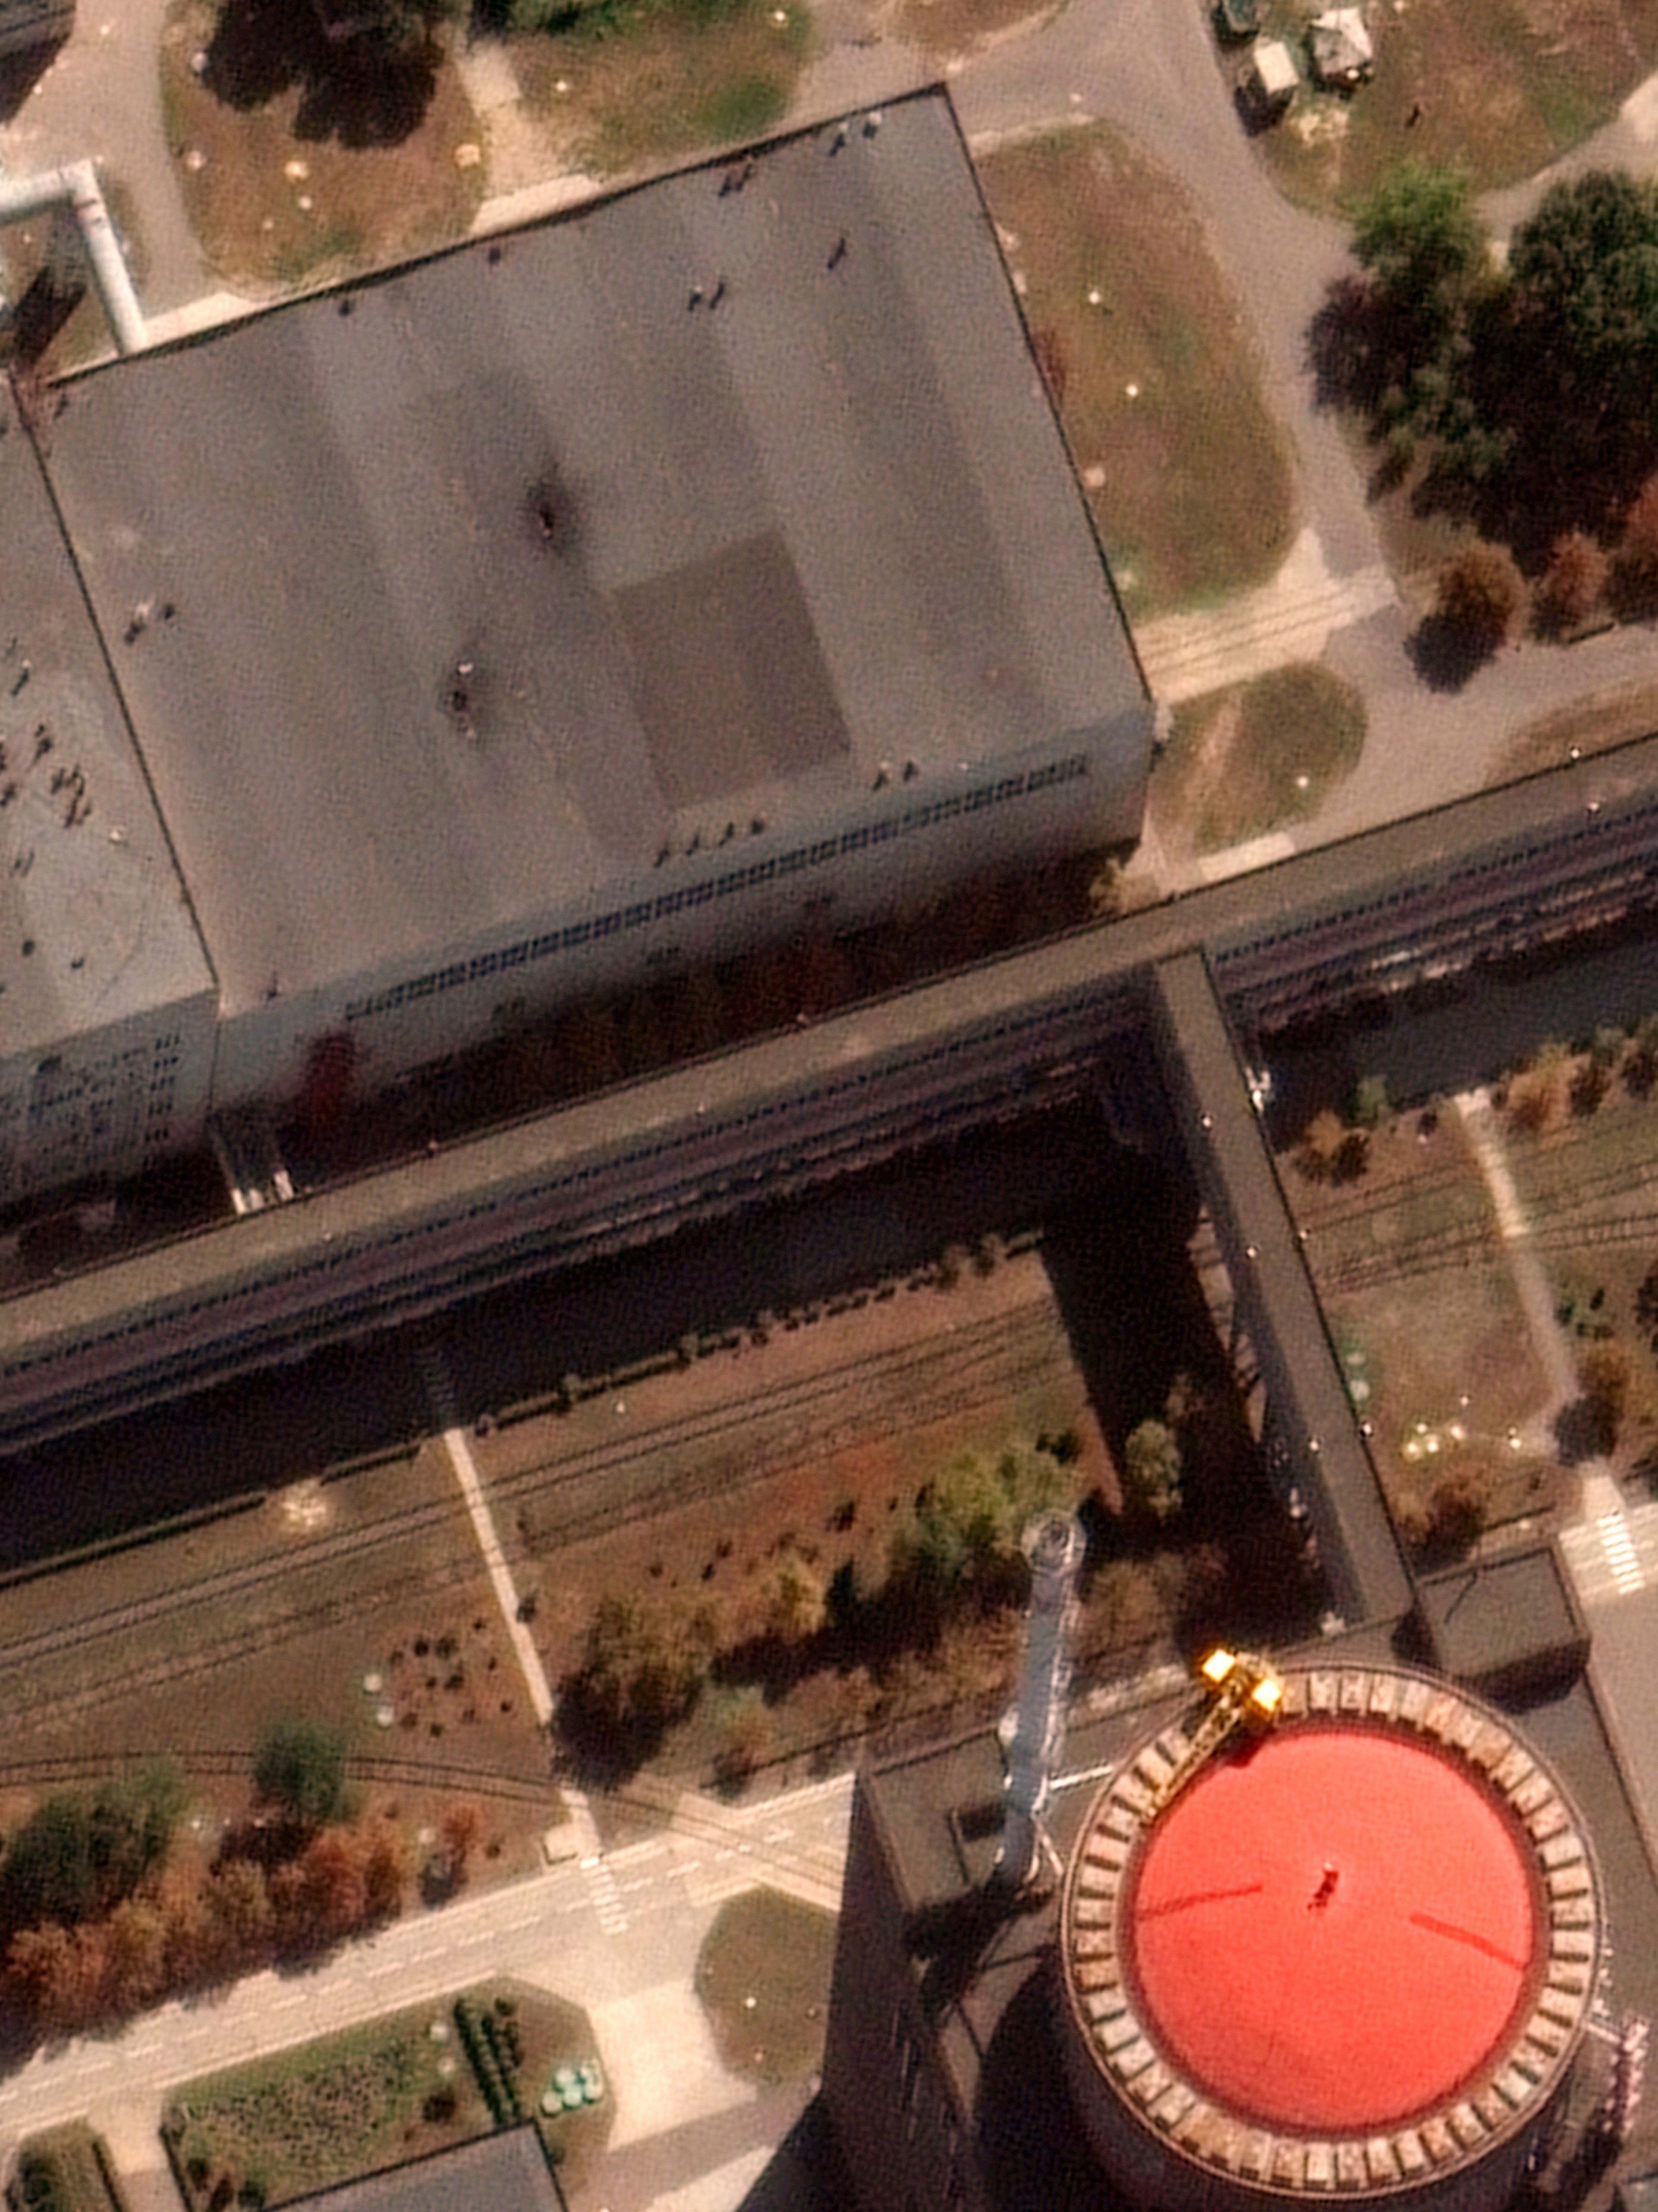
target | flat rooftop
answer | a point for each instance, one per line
(468, 590)
(983, 1975)
(93, 927)
(503, 2173)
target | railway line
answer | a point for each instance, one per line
(743, 1442)
(1558, 1220)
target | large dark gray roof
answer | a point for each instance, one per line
(700, 559)
(93, 927)
(503, 2173)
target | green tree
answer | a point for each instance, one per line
(299, 1770)
(643, 1670)
(1583, 276)
(1151, 1471)
(967, 1522)
(78, 1855)
(1418, 238)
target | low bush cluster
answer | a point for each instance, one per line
(494, 2050)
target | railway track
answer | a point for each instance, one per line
(576, 1496)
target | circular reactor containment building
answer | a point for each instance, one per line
(1347, 1955)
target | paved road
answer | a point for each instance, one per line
(618, 1933)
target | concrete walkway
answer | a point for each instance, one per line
(618, 1933)
(1292, 619)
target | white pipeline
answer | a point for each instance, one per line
(75, 186)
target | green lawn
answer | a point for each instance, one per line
(1498, 90)
(629, 85)
(1253, 757)
(764, 1977)
(1147, 355)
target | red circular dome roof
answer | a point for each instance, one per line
(1332, 1932)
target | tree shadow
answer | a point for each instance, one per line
(1584, 1430)
(1446, 655)
(362, 92)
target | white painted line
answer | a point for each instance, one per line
(494, 1560)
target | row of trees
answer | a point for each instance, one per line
(645, 1664)
(1530, 384)
(954, 1565)
(180, 1933)
(98, 1917)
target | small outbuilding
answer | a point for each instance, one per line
(1269, 84)
(1339, 46)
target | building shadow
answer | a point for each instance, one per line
(20, 73)
(807, 2174)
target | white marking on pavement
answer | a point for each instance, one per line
(494, 1560)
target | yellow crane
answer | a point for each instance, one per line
(1244, 1693)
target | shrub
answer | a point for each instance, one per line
(1636, 567)
(795, 1599)
(1604, 1371)
(1589, 1084)
(300, 1769)
(1151, 1470)
(1321, 1142)
(1480, 594)
(1370, 1105)
(1534, 1094)
(1570, 587)
(1641, 1068)
(1449, 1521)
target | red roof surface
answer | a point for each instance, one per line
(1334, 1932)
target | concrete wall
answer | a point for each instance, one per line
(108, 1102)
(896, 852)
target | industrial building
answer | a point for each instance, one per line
(576, 606)
(1362, 1954)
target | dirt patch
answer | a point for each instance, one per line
(1254, 757)
(296, 172)
(952, 29)
(1149, 362)
(1498, 92)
